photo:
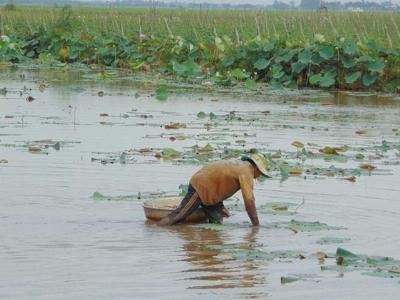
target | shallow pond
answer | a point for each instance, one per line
(77, 136)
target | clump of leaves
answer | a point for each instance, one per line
(326, 64)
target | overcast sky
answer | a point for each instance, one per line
(260, 1)
(250, 1)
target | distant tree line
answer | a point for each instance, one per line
(276, 5)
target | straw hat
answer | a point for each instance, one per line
(259, 160)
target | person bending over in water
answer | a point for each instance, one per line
(217, 181)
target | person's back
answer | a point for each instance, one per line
(220, 180)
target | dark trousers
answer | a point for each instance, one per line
(189, 204)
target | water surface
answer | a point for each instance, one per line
(59, 243)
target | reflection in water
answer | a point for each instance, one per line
(204, 251)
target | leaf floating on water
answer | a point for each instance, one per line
(33, 148)
(219, 227)
(361, 132)
(206, 148)
(277, 208)
(382, 274)
(298, 144)
(3, 161)
(368, 167)
(299, 277)
(175, 126)
(201, 115)
(360, 156)
(332, 240)
(295, 171)
(144, 150)
(351, 178)
(169, 153)
(280, 207)
(329, 150)
(303, 226)
(101, 197)
(162, 93)
(252, 85)
(284, 169)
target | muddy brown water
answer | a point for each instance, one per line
(59, 243)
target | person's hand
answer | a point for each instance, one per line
(255, 221)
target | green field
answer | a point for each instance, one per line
(335, 50)
(200, 24)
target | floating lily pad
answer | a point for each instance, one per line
(277, 208)
(219, 227)
(303, 226)
(99, 196)
(332, 240)
(169, 153)
(299, 277)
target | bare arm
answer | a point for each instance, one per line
(246, 185)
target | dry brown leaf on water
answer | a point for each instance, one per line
(341, 149)
(295, 171)
(158, 155)
(30, 98)
(280, 207)
(368, 167)
(395, 129)
(330, 174)
(104, 115)
(240, 142)
(329, 150)
(34, 148)
(276, 155)
(100, 93)
(172, 138)
(351, 178)
(44, 141)
(144, 150)
(298, 144)
(206, 148)
(175, 126)
(8, 117)
(361, 132)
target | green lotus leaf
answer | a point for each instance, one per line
(261, 64)
(305, 56)
(376, 66)
(298, 67)
(369, 78)
(327, 52)
(353, 77)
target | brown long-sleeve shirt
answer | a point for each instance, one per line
(220, 180)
